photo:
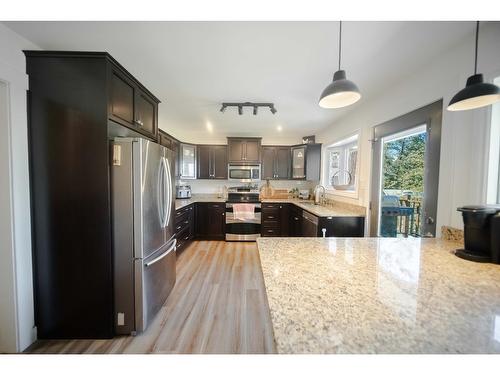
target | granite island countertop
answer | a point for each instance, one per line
(379, 295)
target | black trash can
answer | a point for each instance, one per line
(478, 236)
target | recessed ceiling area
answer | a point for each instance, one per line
(192, 67)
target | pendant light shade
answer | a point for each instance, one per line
(476, 93)
(341, 92)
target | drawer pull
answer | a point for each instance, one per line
(179, 227)
(270, 217)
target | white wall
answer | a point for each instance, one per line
(465, 135)
(16, 284)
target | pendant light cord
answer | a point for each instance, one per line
(340, 42)
(475, 57)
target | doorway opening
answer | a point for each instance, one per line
(405, 174)
(403, 159)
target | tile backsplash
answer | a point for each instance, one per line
(217, 186)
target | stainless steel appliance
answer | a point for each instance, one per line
(309, 225)
(143, 231)
(243, 173)
(183, 192)
(247, 229)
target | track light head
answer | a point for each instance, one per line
(255, 108)
(273, 110)
(240, 110)
(223, 108)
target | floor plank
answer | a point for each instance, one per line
(218, 305)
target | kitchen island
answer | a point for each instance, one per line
(379, 295)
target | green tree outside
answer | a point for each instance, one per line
(404, 163)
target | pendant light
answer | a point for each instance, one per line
(341, 92)
(476, 93)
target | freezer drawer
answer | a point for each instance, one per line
(154, 280)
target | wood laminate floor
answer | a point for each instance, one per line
(218, 305)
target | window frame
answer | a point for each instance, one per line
(325, 173)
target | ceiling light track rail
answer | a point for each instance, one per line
(255, 107)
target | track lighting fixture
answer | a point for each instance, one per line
(249, 104)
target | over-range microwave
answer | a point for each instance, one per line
(243, 173)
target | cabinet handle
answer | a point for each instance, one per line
(281, 207)
(179, 227)
(270, 217)
(296, 218)
(223, 214)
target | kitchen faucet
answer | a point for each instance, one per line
(319, 198)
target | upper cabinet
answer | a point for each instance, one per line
(276, 162)
(187, 161)
(306, 162)
(243, 150)
(130, 104)
(212, 162)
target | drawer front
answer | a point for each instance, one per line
(180, 215)
(271, 206)
(182, 225)
(270, 231)
(270, 215)
(183, 238)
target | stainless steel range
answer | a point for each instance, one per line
(238, 227)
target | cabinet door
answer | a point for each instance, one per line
(204, 167)
(201, 222)
(235, 150)
(268, 158)
(187, 162)
(284, 219)
(219, 162)
(282, 163)
(145, 116)
(295, 222)
(216, 220)
(252, 151)
(165, 140)
(121, 100)
(299, 162)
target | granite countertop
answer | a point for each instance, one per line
(181, 203)
(379, 295)
(321, 211)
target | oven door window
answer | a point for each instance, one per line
(240, 174)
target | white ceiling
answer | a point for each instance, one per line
(194, 66)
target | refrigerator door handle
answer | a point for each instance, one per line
(161, 193)
(168, 200)
(172, 248)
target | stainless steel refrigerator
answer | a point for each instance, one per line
(142, 186)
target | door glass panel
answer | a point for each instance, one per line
(298, 162)
(188, 161)
(402, 183)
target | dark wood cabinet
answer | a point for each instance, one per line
(121, 99)
(74, 99)
(306, 162)
(184, 226)
(276, 162)
(295, 220)
(342, 226)
(211, 162)
(210, 221)
(243, 150)
(275, 219)
(130, 104)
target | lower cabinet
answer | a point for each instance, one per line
(184, 226)
(342, 226)
(275, 222)
(295, 221)
(210, 221)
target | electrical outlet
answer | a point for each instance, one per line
(121, 319)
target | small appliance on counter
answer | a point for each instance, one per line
(481, 233)
(304, 194)
(183, 192)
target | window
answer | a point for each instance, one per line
(341, 170)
